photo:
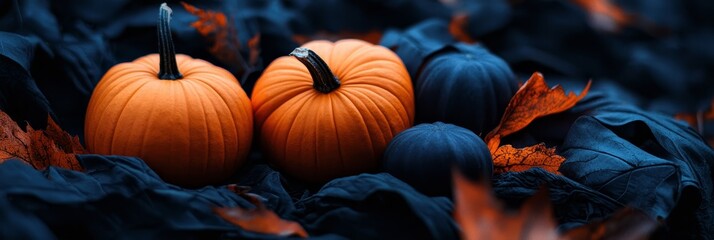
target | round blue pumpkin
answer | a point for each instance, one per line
(424, 155)
(464, 85)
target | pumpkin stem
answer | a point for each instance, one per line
(168, 69)
(322, 77)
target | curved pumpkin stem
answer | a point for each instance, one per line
(168, 69)
(322, 77)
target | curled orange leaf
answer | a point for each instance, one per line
(481, 216)
(260, 219)
(507, 158)
(533, 100)
(38, 148)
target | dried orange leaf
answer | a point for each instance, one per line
(260, 219)
(218, 29)
(40, 149)
(696, 120)
(481, 216)
(533, 100)
(213, 25)
(693, 119)
(628, 223)
(507, 158)
(457, 28)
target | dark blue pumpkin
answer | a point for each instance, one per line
(423, 156)
(458, 83)
(464, 85)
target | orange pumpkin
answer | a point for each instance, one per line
(332, 109)
(189, 120)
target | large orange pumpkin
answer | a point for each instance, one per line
(189, 120)
(331, 109)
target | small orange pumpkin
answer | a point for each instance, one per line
(193, 126)
(332, 110)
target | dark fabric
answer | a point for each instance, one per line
(376, 206)
(121, 197)
(661, 53)
(117, 196)
(19, 95)
(415, 45)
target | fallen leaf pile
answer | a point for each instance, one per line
(38, 148)
(533, 100)
(481, 216)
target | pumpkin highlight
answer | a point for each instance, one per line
(189, 120)
(330, 109)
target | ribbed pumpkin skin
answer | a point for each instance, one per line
(467, 86)
(192, 131)
(424, 156)
(317, 136)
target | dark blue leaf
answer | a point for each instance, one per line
(645, 160)
(574, 204)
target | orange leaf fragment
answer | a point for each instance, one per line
(216, 27)
(627, 223)
(698, 120)
(533, 100)
(605, 14)
(507, 158)
(40, 149)
(213, 25)
(457, 28)
(254, 49)
(481, 216)
(260, 219)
